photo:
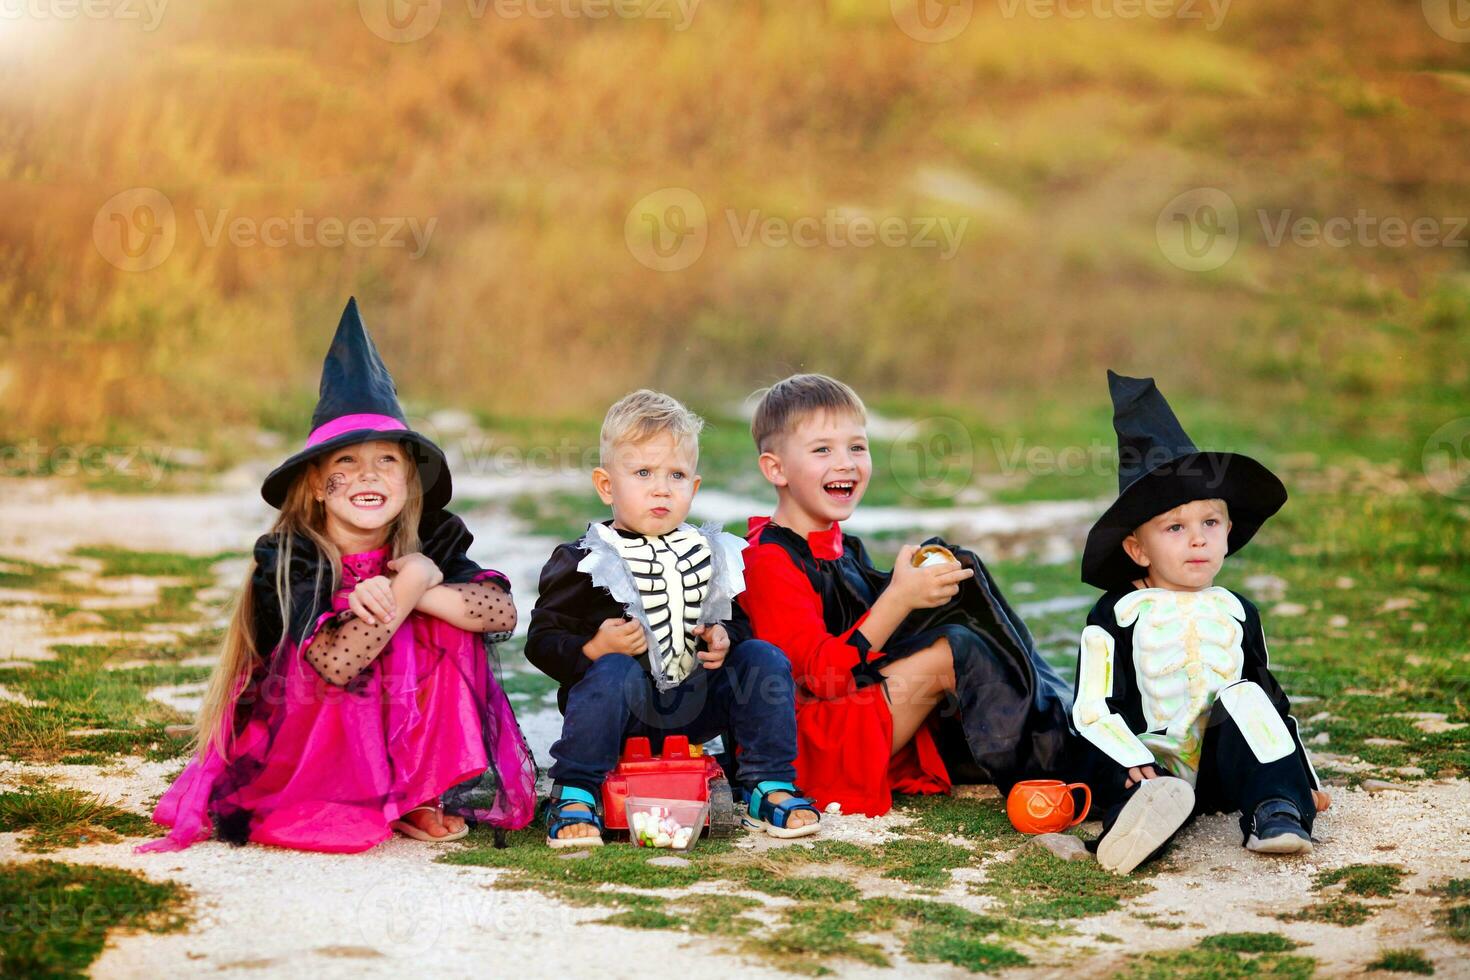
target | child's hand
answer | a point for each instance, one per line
(1321, 799)
(622, 635)
(927, 587)
(372, 601)
(1138, 774)
(421, 567)
(718, 642)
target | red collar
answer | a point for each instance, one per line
(825, 545)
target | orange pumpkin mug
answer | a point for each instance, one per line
(1045, 806)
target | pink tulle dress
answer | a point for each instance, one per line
(320, 767)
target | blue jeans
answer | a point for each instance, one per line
(752, 698)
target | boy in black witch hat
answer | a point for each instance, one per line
(1174, 690)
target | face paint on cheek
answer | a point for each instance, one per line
(335, 484)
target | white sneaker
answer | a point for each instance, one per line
(1158, 808)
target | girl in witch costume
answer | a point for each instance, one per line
(1174, 689)
(354, 690)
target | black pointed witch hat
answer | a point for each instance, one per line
(1159, 468)
(358, 402)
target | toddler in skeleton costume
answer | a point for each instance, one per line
(1174, 690)
(636, 621)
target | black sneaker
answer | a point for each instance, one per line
(1277, 829)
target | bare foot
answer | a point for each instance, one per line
(577, 829)
(797, 818)
(434, 822)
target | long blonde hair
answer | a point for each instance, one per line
(304, 515)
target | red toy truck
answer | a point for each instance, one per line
(680, 773)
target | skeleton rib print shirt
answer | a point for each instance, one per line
(671, 583)
(1153, 664)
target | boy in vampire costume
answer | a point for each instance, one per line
(909, 679)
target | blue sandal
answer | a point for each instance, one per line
(558, 817)
(762, 814)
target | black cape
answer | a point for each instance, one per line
(1011, 716)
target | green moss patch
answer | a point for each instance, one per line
(67, 818)
(1403, 961)
(1368, 880)
(1035, 884)
(57, 916)
(1224, 956)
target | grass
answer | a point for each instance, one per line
(1201, 963)
(154, 564)
(981, 821)
(1368, 880)
(561, 515)
(1358, 556)
(1333, 911)
(17, 573)
(527, 685)
(828, 917)
(59, 818)
(58, 916)
(1364, 880)
(1035, 884)
(813, 936)
(87, 688)
(1248, 942)
(1403, 961)
(1454, 915)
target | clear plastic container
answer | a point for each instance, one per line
(672, 824)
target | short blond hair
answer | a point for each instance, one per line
(787, 403)
(637, 417)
